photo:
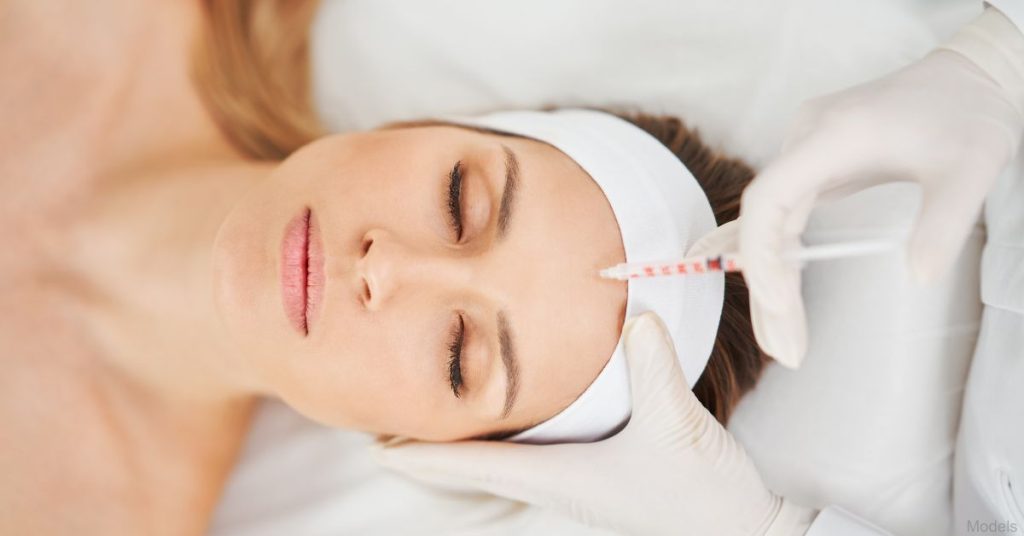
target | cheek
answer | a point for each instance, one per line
(353, 205)
(364, 374)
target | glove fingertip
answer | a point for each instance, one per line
(782, 336)
(649, 349)
(643, 333)
(790, 358)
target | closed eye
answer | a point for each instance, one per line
(455, 357)
(455, 199)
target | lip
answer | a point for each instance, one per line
(302, 273)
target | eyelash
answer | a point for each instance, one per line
(455, 358)
(455, 199)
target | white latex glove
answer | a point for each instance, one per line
(673, 469)
(942, 122)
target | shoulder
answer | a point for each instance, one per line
(59, 448)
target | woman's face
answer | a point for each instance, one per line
(445, 288)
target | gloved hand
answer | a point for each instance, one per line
(673, 469)
(942, 122)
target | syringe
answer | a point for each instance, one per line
(732, 262)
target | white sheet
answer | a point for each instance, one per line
(870, 420)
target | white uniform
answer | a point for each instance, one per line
(988, 478)
(988, 481)
(988, 485)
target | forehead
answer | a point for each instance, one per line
(567, 319)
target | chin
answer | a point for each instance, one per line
(241, 282)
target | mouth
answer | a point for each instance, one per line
(302, 273)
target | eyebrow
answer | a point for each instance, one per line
(508, 195)
(511, 362)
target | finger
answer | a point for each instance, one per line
(723, 239)
(657, 381)
(774, 210)
(528, 473)
(945, 220)
(782, 335)
(667, 417)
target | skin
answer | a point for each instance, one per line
(98, 412)
(378, 360)
(141, 303)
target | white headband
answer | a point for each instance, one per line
(661, 211)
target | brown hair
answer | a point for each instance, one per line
(251, 69)
(736, 361)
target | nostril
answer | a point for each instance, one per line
(367, 295)
(367, 242)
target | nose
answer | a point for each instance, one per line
(389, 266)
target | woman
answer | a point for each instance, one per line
(159, 286)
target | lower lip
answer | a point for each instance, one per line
(302, 274)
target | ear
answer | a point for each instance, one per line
(722, 239)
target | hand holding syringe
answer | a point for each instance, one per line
(731, 262)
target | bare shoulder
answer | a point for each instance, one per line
(67, 68)
(68, 467)
(52, 100)
(58, 448)
(69, 462)
(81, 454)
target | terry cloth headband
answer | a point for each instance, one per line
(661, 211)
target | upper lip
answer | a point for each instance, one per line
(315, 279)
(302, 274)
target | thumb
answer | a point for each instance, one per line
(722, 239)
(657, 382)
(528, 473)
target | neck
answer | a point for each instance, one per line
(132, 246)
(142, 256)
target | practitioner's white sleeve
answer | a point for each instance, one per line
(834, 521)
(995, 42)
